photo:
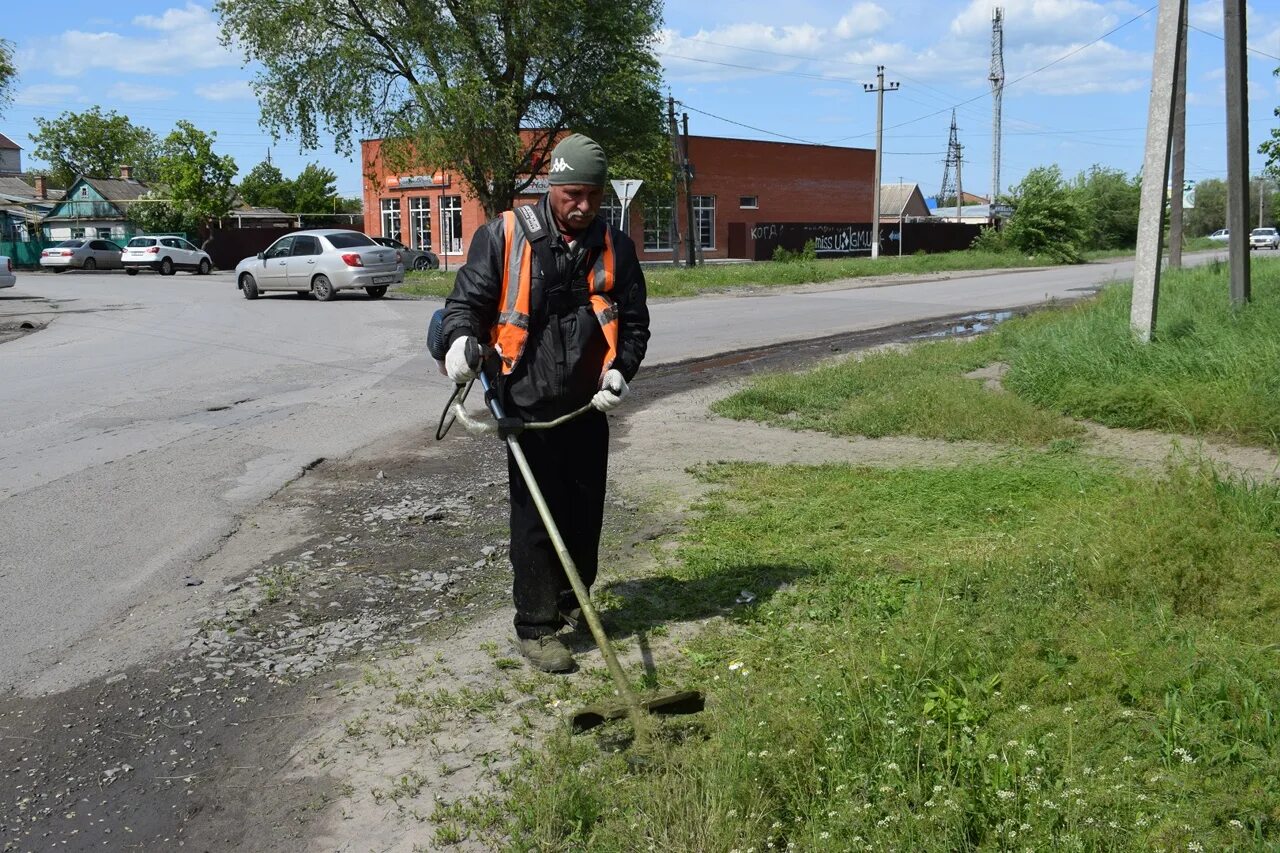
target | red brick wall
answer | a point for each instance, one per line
(792, 182)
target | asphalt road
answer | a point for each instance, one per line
(153, 414)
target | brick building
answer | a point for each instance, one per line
(739, 184)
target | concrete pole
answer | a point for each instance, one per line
(1177, 168)
(694, 234)
(1155, 168)
(674, 227)
(879, 89)
(1233, 35)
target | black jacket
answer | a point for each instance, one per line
(560, 368)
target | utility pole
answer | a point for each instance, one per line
(879, 88)
(1233, 35)
(1262, 189)
(959, 184)
(1177, 168)
(676, 166)
(1155, 169)
(997, 96)
(694, 233)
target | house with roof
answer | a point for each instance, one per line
(899, 202)
(96, 208)
(23, 205)
(10, 156)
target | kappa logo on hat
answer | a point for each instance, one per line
(559, 165)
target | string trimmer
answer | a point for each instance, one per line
(483, 360)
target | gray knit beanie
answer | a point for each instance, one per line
(577, 159)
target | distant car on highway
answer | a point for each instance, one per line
(1264, 238)
(1221, 235)
(7, 278)
(166, 254)
(414, 259)
(321, 262)
(82, 255)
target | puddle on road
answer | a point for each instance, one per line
(969, 324)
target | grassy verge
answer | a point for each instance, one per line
(1211, 370)
(1039, 654)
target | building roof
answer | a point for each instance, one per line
(894, 198)
(250, 212)
(6, 142)
(114, 189)
(12, 185)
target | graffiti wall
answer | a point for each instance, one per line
(843, 240)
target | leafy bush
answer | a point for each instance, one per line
(786, 256)
(990, 240)
(1047, 218)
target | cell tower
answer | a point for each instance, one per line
(951, 169)
(997, 95)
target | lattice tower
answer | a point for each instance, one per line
(997, 95)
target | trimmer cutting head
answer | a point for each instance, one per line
(663, 704)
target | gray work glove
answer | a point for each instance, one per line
(612, 389)
(456, 365)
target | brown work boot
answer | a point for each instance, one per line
(546, 653)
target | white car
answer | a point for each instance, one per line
(1264, 238)
(1221, 235)
(166, 254)
(7, 278)
(321, 262)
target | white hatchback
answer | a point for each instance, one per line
(166, 254)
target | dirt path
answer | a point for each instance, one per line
(355, 689)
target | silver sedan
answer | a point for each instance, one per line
(321, 262)
(82, 255)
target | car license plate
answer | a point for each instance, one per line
(383, 279)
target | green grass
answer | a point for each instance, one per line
(665, 281)
(1037, 654)
(668, 281)
(1210, 370)
(919, 392)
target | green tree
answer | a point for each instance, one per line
(1047, 219)
(94, 143)
(156, 214)
(1210, 210)
(198, 181)
(314, 190)
(8, 74)
(1109, 200)
(452, 84)
(266, 186)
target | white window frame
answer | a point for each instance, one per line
(657, 227)
(391, 218)
(420, 222)
(451, 224)
(749, 202)
(611, 209)
(704, 218)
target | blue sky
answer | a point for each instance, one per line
(743, 68)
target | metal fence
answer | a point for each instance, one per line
(25, 253)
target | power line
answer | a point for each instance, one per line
(1047, 65)
(747, 126)
(1246, 47)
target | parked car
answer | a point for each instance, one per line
(7, 278)
(166, 254)
(1264, 238)
(321, 262)
(414, 259)
(1221, 235)
(81, 255)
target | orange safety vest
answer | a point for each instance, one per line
(511, 332)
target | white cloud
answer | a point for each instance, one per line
(177, 41)
(1037, 21)
(54, 95)
(862, 20)
(226, 90)
(139, 92)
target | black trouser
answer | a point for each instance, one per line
(570, 464)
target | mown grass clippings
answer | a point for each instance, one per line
(1038, 653)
